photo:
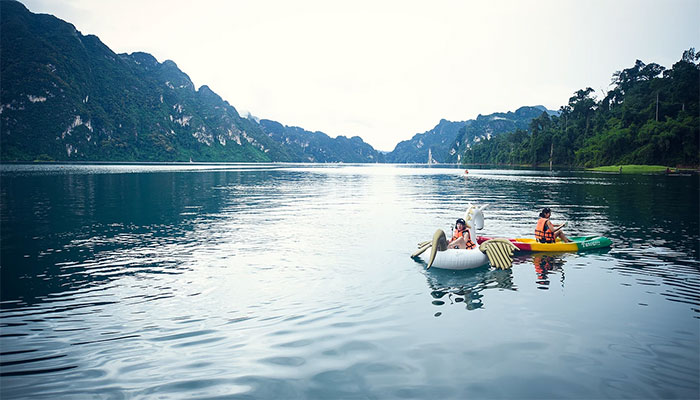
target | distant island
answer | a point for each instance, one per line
(68, 97)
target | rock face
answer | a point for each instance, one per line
(66, 96)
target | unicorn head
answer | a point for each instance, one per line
(475, 218)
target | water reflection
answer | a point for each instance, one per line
(147, 282)
(88, 229)
(448, 287)
(546, 264)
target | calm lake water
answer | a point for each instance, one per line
(295, 281)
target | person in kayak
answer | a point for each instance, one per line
(461, 239)
(546, 232)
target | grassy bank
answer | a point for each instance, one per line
(634, 169)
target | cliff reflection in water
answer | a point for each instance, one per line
(79, 230)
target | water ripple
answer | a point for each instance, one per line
(294, 281)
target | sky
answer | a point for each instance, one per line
(386, 70)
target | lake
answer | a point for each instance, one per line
(295, 281)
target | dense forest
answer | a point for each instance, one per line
(650, 116)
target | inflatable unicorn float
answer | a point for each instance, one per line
(496, 252)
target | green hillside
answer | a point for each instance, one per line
(65, 96)
(448, 139)
(650, 116)
(68, 97)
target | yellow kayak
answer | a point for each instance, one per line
(577, 243)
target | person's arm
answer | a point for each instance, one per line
(555, 228)
(551, 227)
(452, 241)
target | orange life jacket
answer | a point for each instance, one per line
(467, 238)
(542, 232)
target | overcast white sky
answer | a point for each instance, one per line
(385, 70)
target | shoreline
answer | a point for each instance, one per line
(643, 169)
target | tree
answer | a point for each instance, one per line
(650, 116)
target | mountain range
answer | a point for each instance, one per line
(66, 96)
(448, 140)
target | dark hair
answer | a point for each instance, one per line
(460, 221)
(545, 210)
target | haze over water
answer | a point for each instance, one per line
(294, 281)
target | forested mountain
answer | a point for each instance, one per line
(650, 116)
(448, 140)
(305, 146)
(66, 96)
(488, 126)
(438, 140)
